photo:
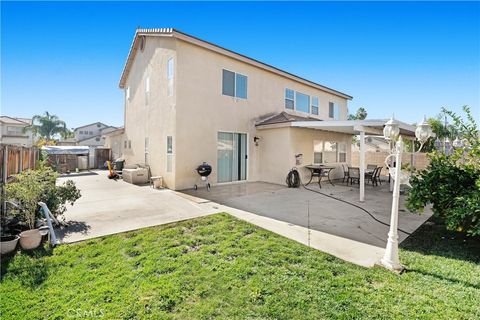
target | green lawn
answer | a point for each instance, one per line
(218, 266)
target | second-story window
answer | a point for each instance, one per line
(234, 84)
(302, 102)
(315, 105)
(289, 99)
(127, 93)
(170, 77)
(147, 90)
(333, 111)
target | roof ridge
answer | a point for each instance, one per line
(187, 37)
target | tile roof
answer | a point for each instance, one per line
(283, 117)
(10, 120)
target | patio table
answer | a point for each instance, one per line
(319, 171)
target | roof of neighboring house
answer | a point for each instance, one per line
(171, 32)
(120, 130)
(69, 140)
(88, 125)
(10, 120)
(283, 117)
(90, 138)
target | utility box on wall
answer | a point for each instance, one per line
(298, 159)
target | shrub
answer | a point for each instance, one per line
(451, 183)
(32, 186)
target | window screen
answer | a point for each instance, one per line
(314, 105)
(289, 99)
(228, 83)
(331, 110)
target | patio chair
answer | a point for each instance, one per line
(353, 175)
(371, 166)
(377, 177)
(345, 172)
(369, 176)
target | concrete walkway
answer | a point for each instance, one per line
(109, 206)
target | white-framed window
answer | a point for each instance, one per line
(289, 99)
(80, 132)
(317, 151)
(147, 90)
(302, 102)
(329, 151)
(342, 152)
(170, 75)
(146, 150)
(127, 93)
(169, 153)
(333, 111)
(315, 105)
(14, 130)
(234, 84)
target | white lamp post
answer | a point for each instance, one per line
(391, 132)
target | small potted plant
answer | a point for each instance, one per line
(30, 187)
(9, 230)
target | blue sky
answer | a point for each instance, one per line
(403, 57)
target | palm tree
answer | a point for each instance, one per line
(48, 125)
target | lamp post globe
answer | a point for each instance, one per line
(423, 131)
(391, 130)
(438, 144)
(457, 143)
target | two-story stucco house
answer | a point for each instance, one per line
(188, 101)
(13, 131)
(91, 134)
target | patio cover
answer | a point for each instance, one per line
(354, 127)
(66, 149)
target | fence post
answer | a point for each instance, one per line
(4, 177)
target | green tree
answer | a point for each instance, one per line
(361, 114)
(47, 125)
(451, 183)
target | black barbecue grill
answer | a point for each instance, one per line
(204, 170)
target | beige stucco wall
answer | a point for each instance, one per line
(279, 146)
(116, 144)
(202, 110)
(157, 119)
(197, 111)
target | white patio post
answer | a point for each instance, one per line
(362, 166)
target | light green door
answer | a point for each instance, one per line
(231, 156)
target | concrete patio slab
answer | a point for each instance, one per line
(305, 208)
(109, 206)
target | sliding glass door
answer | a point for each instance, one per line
(231, 156)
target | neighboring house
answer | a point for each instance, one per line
(12, 131)
(115, 141)
(373, 144)
(188, 101)
(91, 134)
(67, 142)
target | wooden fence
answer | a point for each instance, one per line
(13, 160)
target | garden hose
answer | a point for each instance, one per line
(293, 181)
